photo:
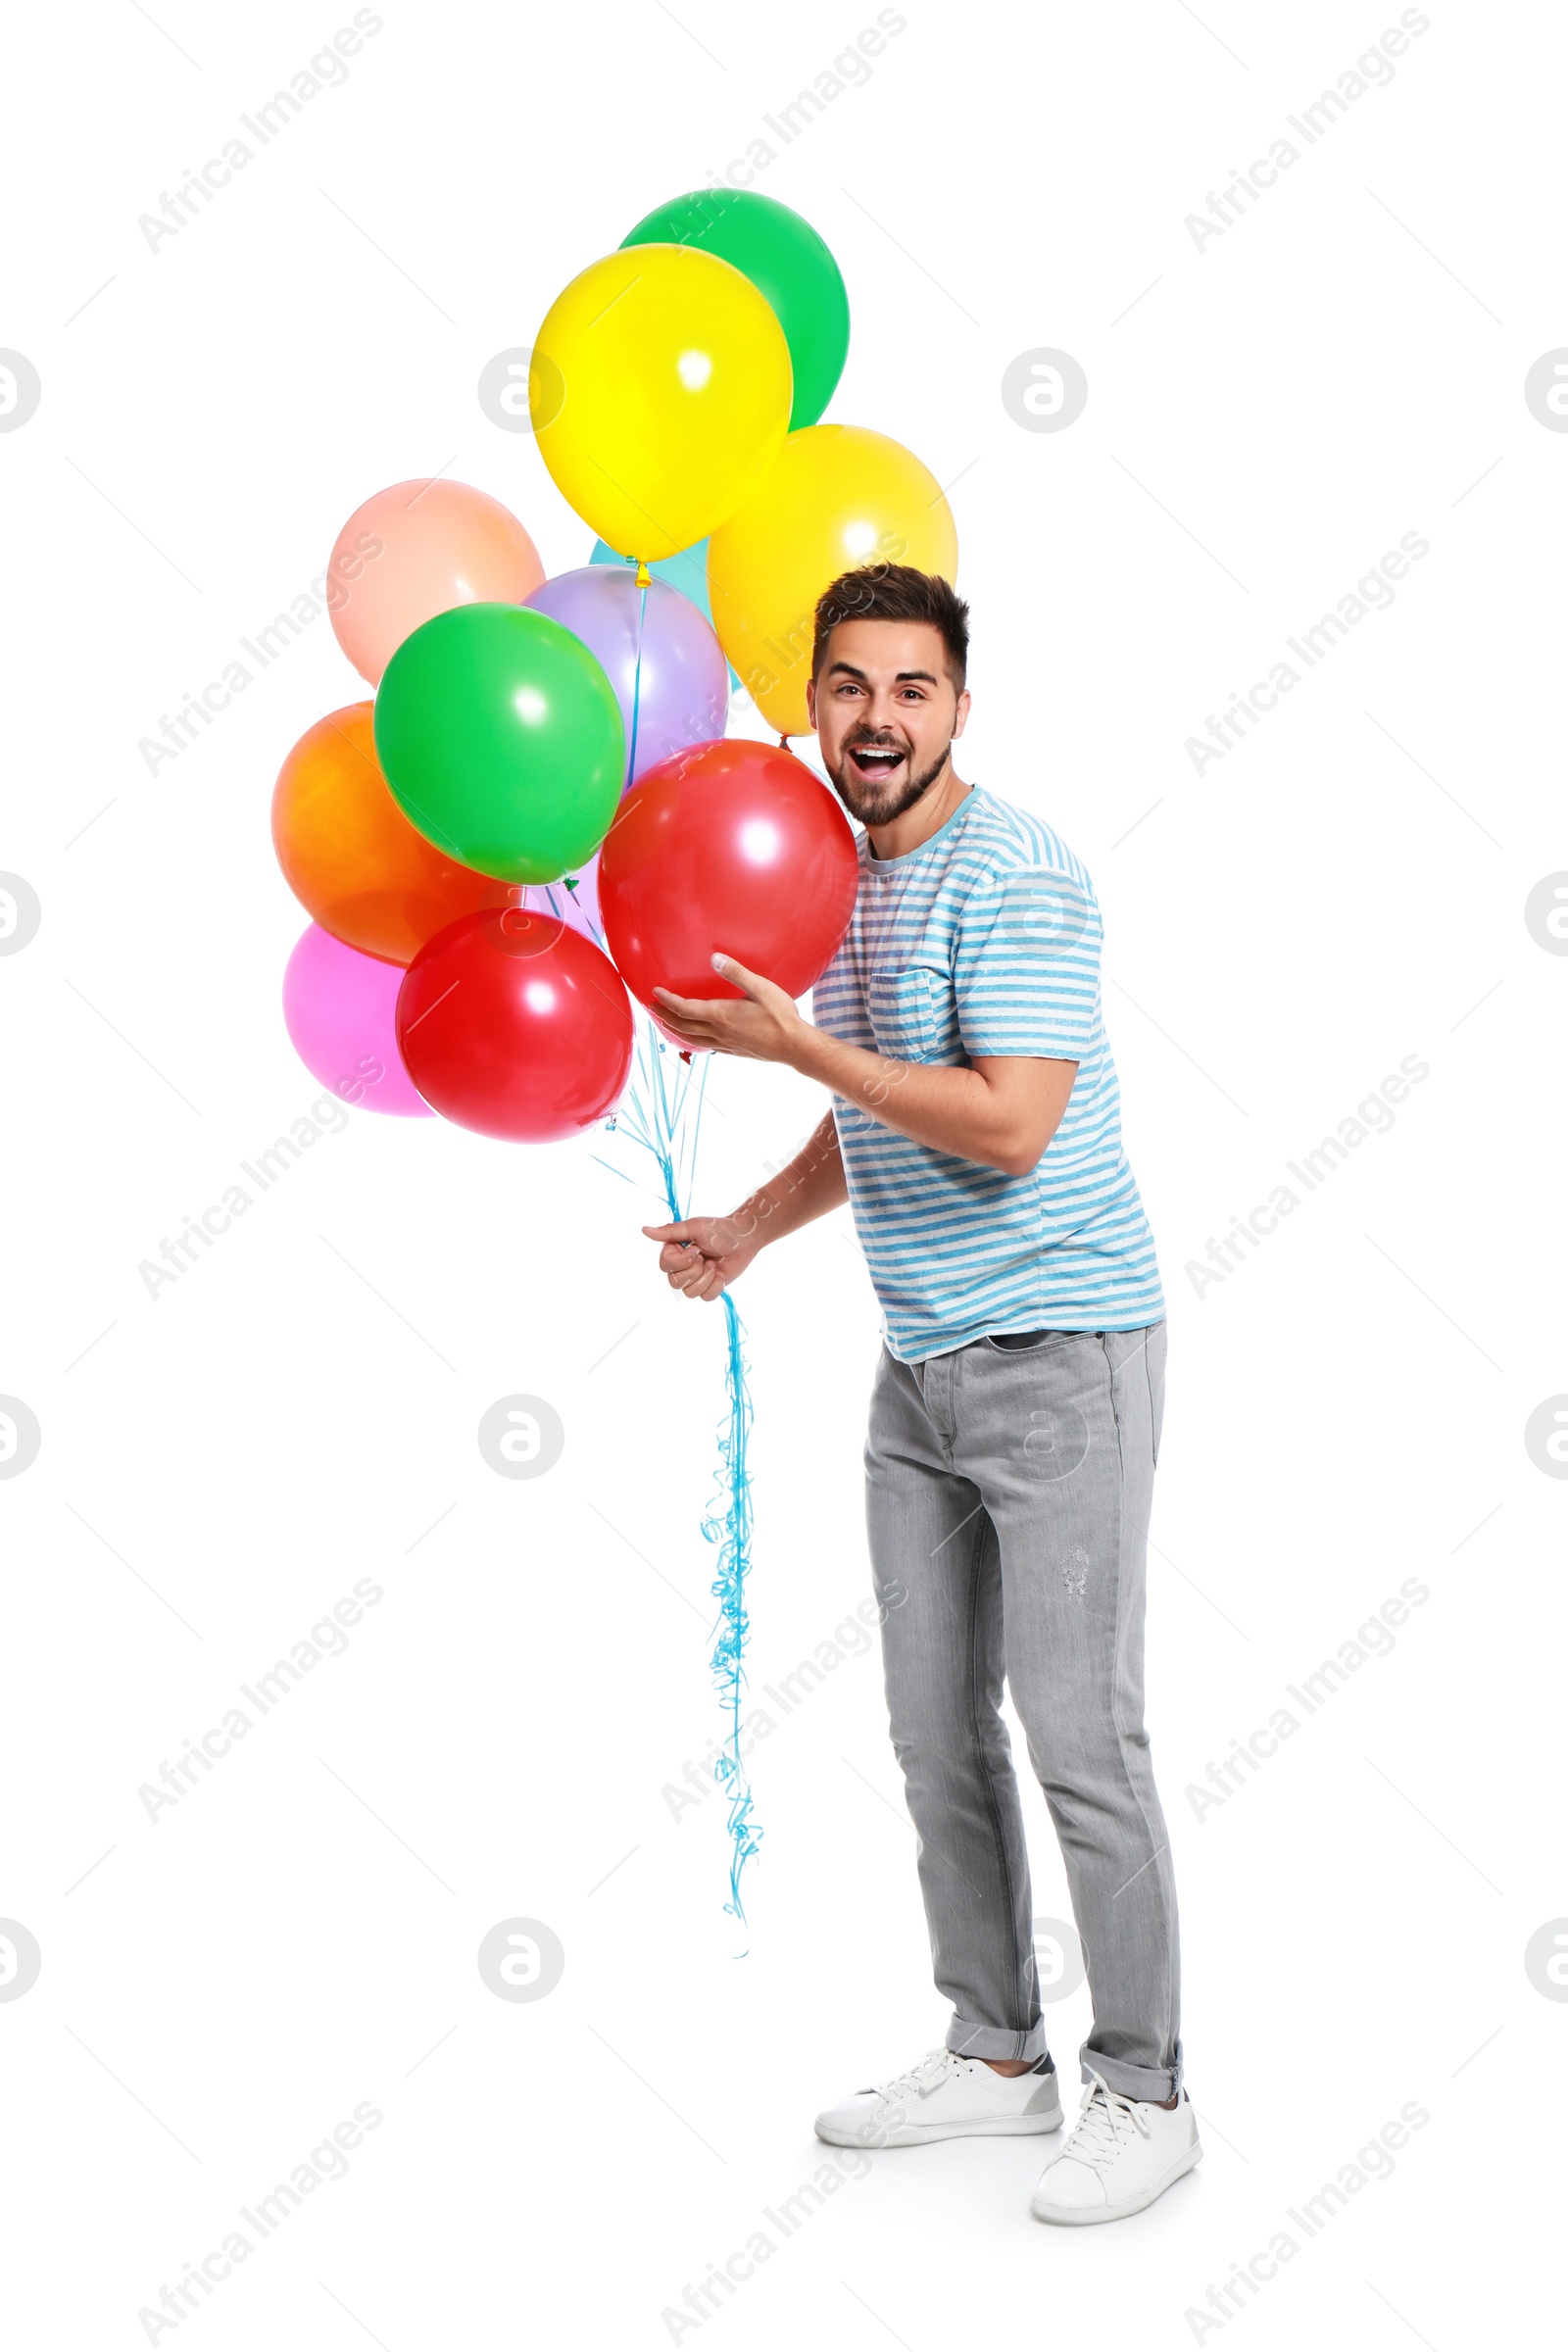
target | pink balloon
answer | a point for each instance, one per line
(416, 550)
(339, 1009)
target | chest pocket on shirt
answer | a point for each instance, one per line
(903, 1014)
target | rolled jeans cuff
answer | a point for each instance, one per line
(1159, 2083)
(998, 2041)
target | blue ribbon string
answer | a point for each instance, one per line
(636, 685)
(653, 1112)
(662, 1113)
(729, 1525)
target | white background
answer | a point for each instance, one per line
(1344, 366)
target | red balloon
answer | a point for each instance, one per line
(733, 848)
(514, 1025)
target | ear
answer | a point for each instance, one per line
(810, 703)
(960, 716)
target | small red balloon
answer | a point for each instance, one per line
(514, 1025)
(732, 848)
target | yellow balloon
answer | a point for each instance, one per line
(835, 499)
(660, 390)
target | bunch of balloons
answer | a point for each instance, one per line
(540, 808)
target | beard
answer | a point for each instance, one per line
(872, 801)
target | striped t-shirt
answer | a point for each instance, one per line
(986, 940)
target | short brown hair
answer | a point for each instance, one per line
(896, 592)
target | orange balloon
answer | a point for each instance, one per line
(351, 857)
(414, 550)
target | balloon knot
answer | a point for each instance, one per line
(644, 576)
(783, 742)
(685, 1053)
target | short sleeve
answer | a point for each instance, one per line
(1026, 965)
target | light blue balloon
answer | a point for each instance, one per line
(686, 572)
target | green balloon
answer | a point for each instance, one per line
(786, 261)
(502, 740)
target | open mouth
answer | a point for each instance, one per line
(876, 761)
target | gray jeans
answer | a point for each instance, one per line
(1007, 1499)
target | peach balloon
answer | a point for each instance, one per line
(351, 857)
(414, 550)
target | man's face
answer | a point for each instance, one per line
(886, 713)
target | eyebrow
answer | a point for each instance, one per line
(847, 669)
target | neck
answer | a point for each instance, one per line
(929, 815)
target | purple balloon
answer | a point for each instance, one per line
(339, 1009)
(577, 908)
(682, 696)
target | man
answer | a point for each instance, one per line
(1015, 1417)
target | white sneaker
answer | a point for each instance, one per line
(1119, 2156)
(944, 2098)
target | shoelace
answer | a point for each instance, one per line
(929, 2075)
(1098, 2136)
